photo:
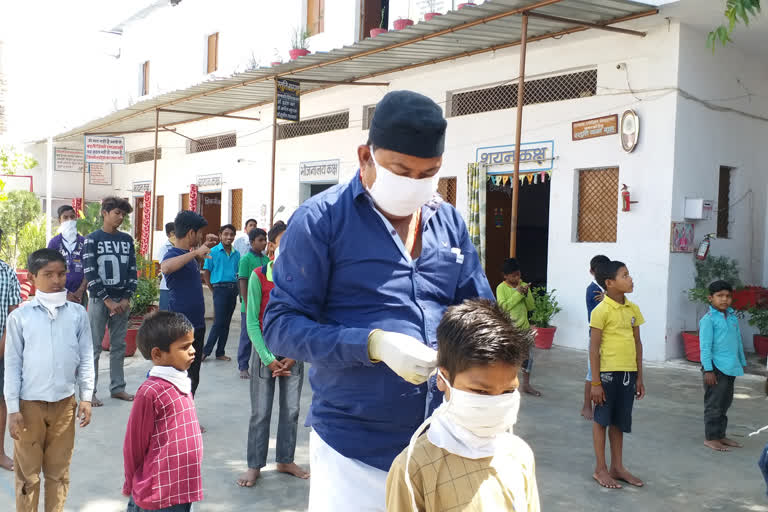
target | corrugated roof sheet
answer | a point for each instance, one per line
(491, 25)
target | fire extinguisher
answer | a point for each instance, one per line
(625, 200)
(703, 251)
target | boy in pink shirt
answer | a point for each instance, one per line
(163, 450)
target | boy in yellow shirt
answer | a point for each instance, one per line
(470, 460)
(514, 296)
(616, 354)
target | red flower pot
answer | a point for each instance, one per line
(467, 4)
(401, 24)
(544, 336)
(275, 63)
(761, 345)
(27, 288)
(749, 297)
(691, 346)
(295, 53)
(130, 336)
(431, 15)
(377, 31)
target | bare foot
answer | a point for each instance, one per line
(625, 476)
(95, 402)
(530, 390)
(604, 478)
(586, 412)
(248, 479)
(223, 358)
(6, 462)
(123, 396)
(293, 469)
(716, 445)
(244, 374)
(731, 442)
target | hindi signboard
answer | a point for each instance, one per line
(68, 160)
(288, 103)
(598, 127)
(321, 171)
(108, 150)
(100, 174)
(209, 181)
(534, 157)
(139, 187)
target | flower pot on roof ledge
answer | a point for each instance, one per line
(376, 31)
(295, 53)
(467, 4)
(402, 23)
(275, 63)
(430, 15)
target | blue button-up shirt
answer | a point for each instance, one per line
(222, 266)
(720, 343)
(341, 273)
(45, 357)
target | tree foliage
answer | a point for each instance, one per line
(31, 238)
(21, 208)
(736, 11)
(91, 219)
(11, 162)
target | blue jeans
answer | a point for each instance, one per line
(133, 507)
(262, 396)
(164, 298)
(763, 464)
(224, 302)
(244, 350)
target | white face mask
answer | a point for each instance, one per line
(398, 195)
(69, 230)
(51, 301)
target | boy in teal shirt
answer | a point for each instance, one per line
(514, 296)
(252, 260)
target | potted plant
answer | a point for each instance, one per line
(299, 43)
(431, 10)
(750, 297)
(401, 23)
(758, 317)
(380, 29)
(711, 269)
(545, 307)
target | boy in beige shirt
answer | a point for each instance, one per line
(470, 460)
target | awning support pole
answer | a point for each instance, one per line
(153, 199)
(518, 130)
(274, 148)
(85, 169)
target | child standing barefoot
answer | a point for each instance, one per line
(163, 450)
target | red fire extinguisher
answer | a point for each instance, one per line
(625, 200)
(703, 251)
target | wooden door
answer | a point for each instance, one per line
(138, 218)
(211, 211)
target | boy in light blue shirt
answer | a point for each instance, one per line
(722, 360)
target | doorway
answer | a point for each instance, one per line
(532, 230)
(211, 210)
(138, 217)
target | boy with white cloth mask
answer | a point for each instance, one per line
(470, 441)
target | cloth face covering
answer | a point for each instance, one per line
(69, 234)
(51, 301)
(398, 195)
(174, 376)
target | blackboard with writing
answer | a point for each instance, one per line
(288, 99)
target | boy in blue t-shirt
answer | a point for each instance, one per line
(595, 295)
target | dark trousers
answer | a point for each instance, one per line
(194, 370)
(244, 350)
(133, 507)
(224, 303)
(717, 400)
(165, 296)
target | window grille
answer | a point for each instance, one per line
(446, 187)
(228, 140)
(545, 90)
(144, 155)
(598, 205)
(236, 207)
(159, 225)
(368, 112)
(314, 125)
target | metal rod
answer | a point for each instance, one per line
(143, 130)
(518, 137)
(49, 188)
(85, 168)
(274, 150)
(334, 82)
(153, 199)
(586, 24)
(207, 114)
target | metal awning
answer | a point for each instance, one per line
(491, 26)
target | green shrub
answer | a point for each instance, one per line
(147, 293)
(545, 306)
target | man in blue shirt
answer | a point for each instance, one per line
(220, 275)
(366, 272)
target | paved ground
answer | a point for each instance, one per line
(666, 448)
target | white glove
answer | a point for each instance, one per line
(405, 355)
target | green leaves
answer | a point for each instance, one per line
(545, 306)
(736, 11)
(21, 208)
(13, 161)
(712, 269)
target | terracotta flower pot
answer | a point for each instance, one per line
(467, 4)
(377, 31)
(130, 336)
(761, 345)
(691, 346)
(544, 336)
(431, 15)
(275, 63)
(402, 23)
(295, 53)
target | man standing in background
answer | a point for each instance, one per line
(242, 244)
(220, 275)
(70, 244)
(252, 260)
(159, 256)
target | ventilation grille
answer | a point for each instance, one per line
(314, 125)
(145, 155)
(228, 140)
(598, 205)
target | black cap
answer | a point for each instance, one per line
(409, 123)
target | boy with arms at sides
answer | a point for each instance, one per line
(220, 275)
(242, 244)
(48, 351)
(170, 233)
(70, 244)
(514, 296)
(594, 296)
(182, 273)
(267, 369)
(10, 298)
(250, 261)
(470, 459)
(616, 356)
(722, 360)
(110, 268)
(163, 450)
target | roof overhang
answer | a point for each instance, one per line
(490, 26)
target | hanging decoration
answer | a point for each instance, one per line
(193, 197)
(505, 180)
(498, 217)
(146, 223)
(77, 204)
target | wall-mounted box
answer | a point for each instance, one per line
(698, 209)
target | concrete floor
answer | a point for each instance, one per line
(666, 449)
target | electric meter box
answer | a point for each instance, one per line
(698, 209)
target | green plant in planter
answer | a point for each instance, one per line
(545, 306)
(758, 317)
(713, 268)
(299, 38)
(147, 293)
